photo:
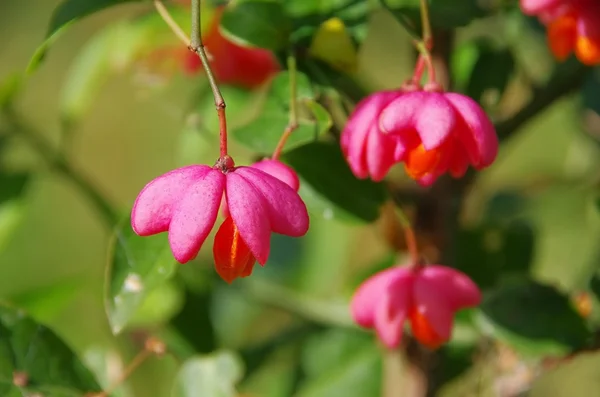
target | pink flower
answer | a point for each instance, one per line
(572, 26)
(366, 149)
(439, 132)
(281, 171)
(275, 168)
(427, 297)
(185, 202)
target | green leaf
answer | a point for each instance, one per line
(9, 87)
(12, 207)
(341, 363)
(213, 375)
(48, 301)
(328, 186)
(263, 133)
(137, 265)
(64, 15)
(495, 250)
(534, 318)
(111, 50)
(258, 23)
(483, 70)
(159, 306)
(442, 13)
(48, 364)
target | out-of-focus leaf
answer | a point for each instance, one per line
(483, 70)
(341, 363)
(104, 362)
(595, 285)
(495, 250)
(159, 305)
(64, 14)
(213, 375)
(110, 50)
(47, 301)
(442, 13)
(9, 88)
(533, 318)
(263, 133)
(136, 266)
(333, 44)
(258, 23)
(46, 364)
(12, 208)
(329, 187)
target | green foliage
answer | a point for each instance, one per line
(263, 133)
(545, 323)
(136, 268)
(329, 187)
(68, 12)
(260, 23)
(212, 375)
(47, 365)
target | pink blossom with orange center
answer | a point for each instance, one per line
(425, 297)
(185, 203)
(573, 26)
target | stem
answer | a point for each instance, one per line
(425, 54)
(164, 13)
(133, 365)
(58, 163)
(409, 236)
(197, 47)
(418, 73)
(427, 35)
(293, 121)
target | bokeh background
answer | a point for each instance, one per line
(53, 246)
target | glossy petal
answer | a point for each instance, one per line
(286, 210)
(380, 154)
(453, 286)
(367, 297)
(153, 208)
(480, 130)
(281, 171)
(195, 215)
(250, 213)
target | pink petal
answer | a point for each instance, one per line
(362, 122)
(453, 286)
(249, 211)
(534, 7)
(281, 171)
(153, 207)
(480, 130)
(287, 212)
(380, 154)
(588, 23)
(371, 292)
(432, 305)
(195, 215)
(390, 314)
(429, 113)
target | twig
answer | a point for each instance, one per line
(197, 47)
(164, 13)
(293, 121)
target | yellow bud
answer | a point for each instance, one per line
(332, 44)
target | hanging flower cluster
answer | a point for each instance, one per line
(430, 131)
(573, 26)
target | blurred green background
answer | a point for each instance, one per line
(544, 184)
